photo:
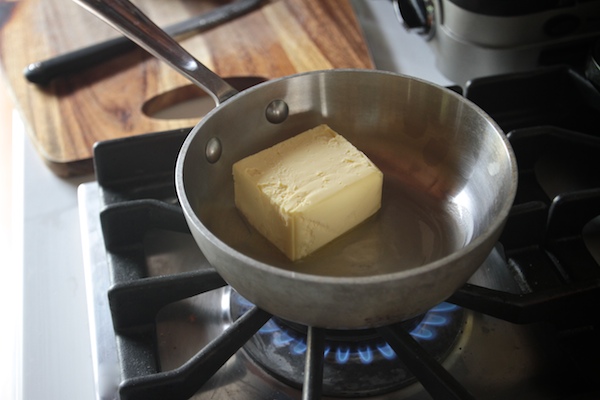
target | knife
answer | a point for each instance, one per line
(42, 72)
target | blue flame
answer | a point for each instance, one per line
(342, 355)
(422, 332)
(242, 301)
(299, 347)
(436, 320)
(282, 338)
(436, 317)
(426, 330)
(444, 307)
(269, 327)
(386, 351)
(365, 354)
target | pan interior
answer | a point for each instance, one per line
(411, 229)
(444, 166)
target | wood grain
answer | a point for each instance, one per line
(66, 117)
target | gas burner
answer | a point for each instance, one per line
(357, 363)
(162, 316)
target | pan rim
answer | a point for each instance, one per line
(494, 227)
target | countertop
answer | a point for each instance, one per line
(45, 345)
(45, 352)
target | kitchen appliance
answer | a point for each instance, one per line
(165, 325)
(481, 38)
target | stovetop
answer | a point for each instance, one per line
(163, 323)
(161, 317)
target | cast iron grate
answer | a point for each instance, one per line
(542, 241)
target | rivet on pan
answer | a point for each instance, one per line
(213, 150)
(277, 111)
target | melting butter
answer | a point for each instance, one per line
(308, 190)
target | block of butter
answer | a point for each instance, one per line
(306, 191)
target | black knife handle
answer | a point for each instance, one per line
(42, 72)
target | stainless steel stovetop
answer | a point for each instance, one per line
(185, 327)
(490, 356)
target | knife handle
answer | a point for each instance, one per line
(42, 72)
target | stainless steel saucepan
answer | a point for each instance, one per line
(450, 179)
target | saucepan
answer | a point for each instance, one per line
(450, 179)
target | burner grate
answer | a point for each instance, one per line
(136, 298)
(542, 244)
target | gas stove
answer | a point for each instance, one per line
(165, 325)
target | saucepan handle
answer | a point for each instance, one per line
(133, 23)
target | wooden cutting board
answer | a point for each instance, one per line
(111, 100)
